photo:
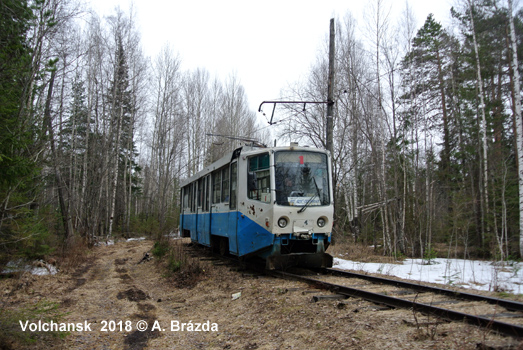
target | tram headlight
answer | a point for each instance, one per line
(321, 222)
(282, 222)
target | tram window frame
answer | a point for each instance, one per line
(260, 165)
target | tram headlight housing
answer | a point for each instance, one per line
(321, 222)
(282, 222)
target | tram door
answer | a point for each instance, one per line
(204, 217)
(233, 210)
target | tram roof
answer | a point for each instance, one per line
(245, 150)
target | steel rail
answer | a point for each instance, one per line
(507, 304)
(500, 327)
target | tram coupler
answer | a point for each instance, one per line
(280, 262)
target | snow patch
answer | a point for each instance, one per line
(135, 239)
(473, 274)
(21, 265)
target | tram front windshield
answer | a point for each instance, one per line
(302, 178)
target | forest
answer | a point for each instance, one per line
(95, 135)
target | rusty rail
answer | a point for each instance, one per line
(393, 302)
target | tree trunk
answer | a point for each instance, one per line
(114, 181)
(66, 220)
(519, 123)
(483, 127)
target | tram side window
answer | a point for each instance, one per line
(225, 184)
(188, 194)
(185, 197)
(193, 195)
(200, 192)
(208, 187)
(259, 168)
(234, 172)
(216, 188)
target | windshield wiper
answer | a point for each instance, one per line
(317, 189)
(310, 199)
(307, 204)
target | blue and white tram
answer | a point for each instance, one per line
(274, 203)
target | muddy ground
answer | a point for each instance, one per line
(111, 289)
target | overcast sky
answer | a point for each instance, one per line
(266, 44)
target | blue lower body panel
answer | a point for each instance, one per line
(252, 237)
(245, 236)
(248, 238)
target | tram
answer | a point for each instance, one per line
(272, 203)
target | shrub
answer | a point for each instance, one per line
(429, 255)
(184, 270)
(160, 249)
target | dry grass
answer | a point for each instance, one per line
(269, 314)
(74, 253)
(184, 270)
(346, 249)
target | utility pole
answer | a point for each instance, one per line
(330, 90)
(330, 96)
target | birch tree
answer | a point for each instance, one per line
(517, 116)
(167, 136)
(483, 124)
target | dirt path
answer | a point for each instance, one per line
(269, 313)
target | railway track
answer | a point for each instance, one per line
(499, 315)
